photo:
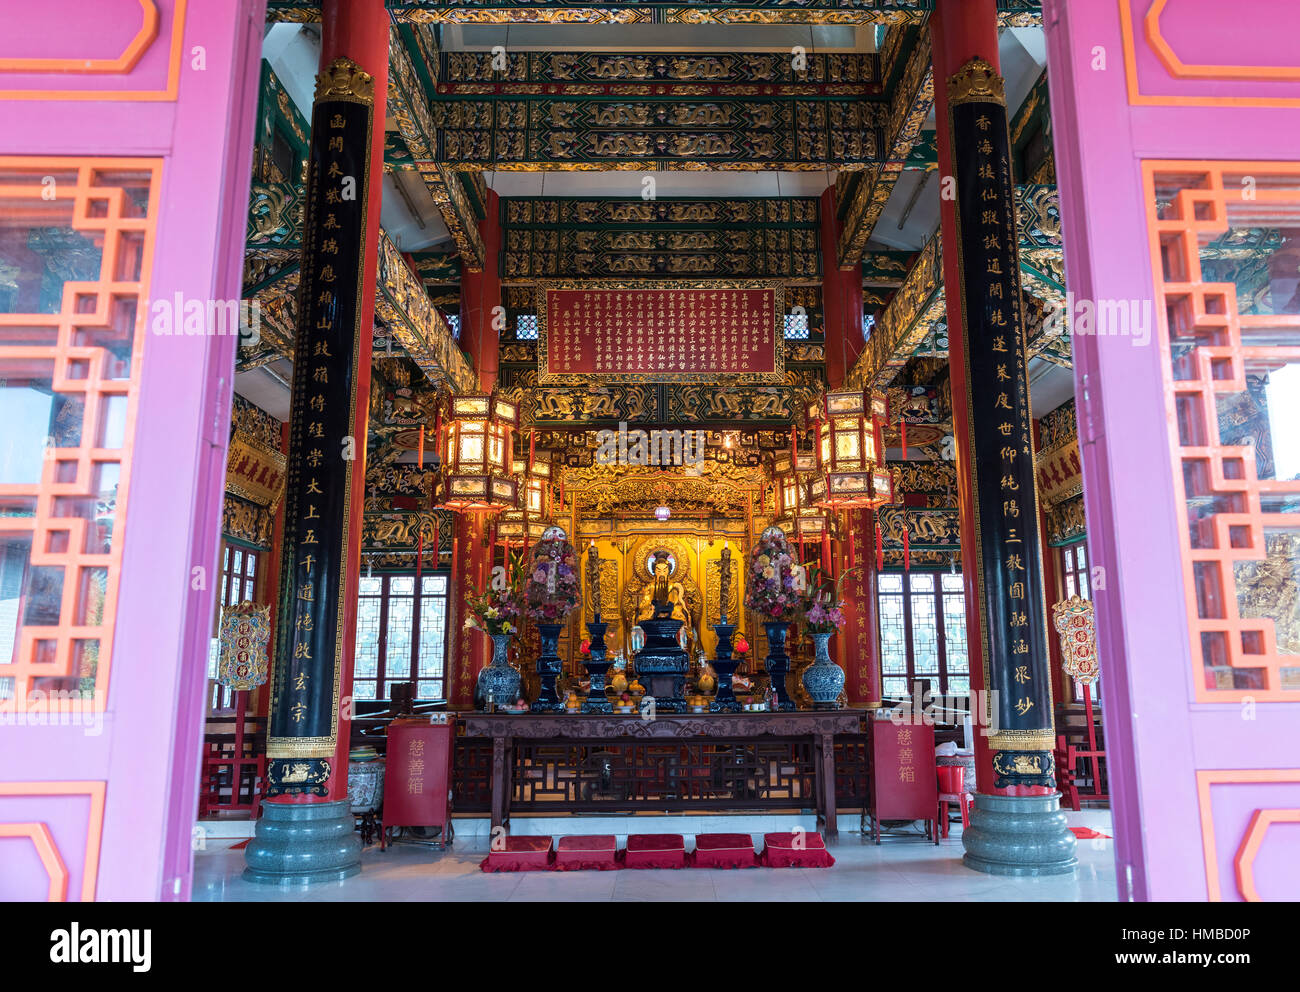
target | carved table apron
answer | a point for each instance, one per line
(822, 726)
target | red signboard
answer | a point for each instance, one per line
(633, 332)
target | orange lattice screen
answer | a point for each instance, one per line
(1225, 240)
(76, 236)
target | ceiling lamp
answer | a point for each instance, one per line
(851, 473)
(663, 512)
(523, 526)
(478, 453)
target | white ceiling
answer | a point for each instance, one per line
(267, 387)
(409, 215)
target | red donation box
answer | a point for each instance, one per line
(417, 772)
(904, 784)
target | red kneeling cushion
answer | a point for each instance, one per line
(795, 850)
(655, 851)
(520, 854)
(724, 851)
(596, 853)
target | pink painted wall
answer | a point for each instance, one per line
(1158, 737)
(148, 753)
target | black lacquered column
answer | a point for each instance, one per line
(321, 518)
(1017, 827)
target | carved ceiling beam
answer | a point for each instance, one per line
(910, 105)
(1011, 13)
(545, 132)
(415, 323)
(515, 75)
(576, 237)
(850, 12)
(903, 325)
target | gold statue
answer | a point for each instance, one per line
(665, 597)
(663, 589)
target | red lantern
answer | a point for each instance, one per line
(477, 454)
(850, 451)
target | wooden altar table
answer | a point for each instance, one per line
(505, 729)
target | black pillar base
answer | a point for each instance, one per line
(778, 664)
(725, 664)
(549, 667)
(597, 666)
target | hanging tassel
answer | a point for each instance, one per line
(907, 548)
(903, 426)
(794, 446)
(532, 446)
(880, 549)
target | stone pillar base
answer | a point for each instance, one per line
(1019, 835)
(301, 843)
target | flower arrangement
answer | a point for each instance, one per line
(820, 602)
(774, 578)
(551, 580)
(495, 610)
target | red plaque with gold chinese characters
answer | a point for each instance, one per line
(708, 331)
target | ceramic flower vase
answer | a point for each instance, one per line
(498, 682)
(823, 679)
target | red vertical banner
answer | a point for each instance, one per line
(860, 656)
(469, 649)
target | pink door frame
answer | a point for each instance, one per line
(1158, 737)
(199, 121)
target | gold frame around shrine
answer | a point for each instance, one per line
(775, 377)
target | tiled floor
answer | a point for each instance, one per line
(901, 869)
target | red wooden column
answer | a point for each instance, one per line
(482, 315)
(311, 680)
(960, 32)
(861, 635)
(1017, 827)
(841, 299)
(359, 29)
(320, 555)
(467, 650)
(842, 309)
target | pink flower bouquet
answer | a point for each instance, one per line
(774, 578)
(551, 581)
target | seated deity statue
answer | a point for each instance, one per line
(670, 595)
(663, 587)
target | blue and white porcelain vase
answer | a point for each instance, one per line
(823, 679)
(498, 681)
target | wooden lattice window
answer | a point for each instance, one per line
(922, 632)
(1225, 250)
(76, 237)
(401, 635)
